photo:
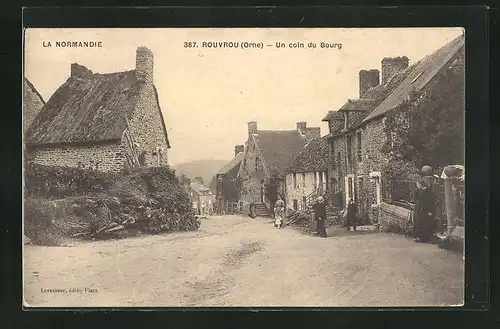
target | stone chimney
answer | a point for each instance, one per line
(312, 133)
(238, 149)
(144, 64)
(391, 66)
(252, 127)
(79, 71)
(301, 126)
(367, 80)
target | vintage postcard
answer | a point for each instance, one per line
(243, 167)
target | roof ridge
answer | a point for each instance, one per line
(32, 87)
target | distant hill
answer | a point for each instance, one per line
(202, 168)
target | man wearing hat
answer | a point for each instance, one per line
(320, 214)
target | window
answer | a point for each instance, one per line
(359, 150)
(257, 160)
(295, 205)
(339, 161)
(304, 179)
(304, 203)
(294, 180)
(315, 179)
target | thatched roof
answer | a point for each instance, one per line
(33, 89)
(313, 157)
(87, 109)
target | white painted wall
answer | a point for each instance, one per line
(306, 183)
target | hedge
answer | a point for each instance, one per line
(60, 182)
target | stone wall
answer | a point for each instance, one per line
(147, 129)
(337, 168)
(32, 104)
(108, 157)
(251, 179)
(373, 138)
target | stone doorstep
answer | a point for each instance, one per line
(372, 228)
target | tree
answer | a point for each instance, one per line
(428, 128)
(184, 180)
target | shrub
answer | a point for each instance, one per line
(149, 200)
(60, 182)
(39, 222)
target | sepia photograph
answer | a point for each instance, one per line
(244, 167)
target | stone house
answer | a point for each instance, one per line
(307, 176)
(357, 130)
(103, 121)
(226, 180)
(268, 154)
(32, 103)
(203, 198)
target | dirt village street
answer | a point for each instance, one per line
(237, 261)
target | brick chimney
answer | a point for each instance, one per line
(238, 149)
(144, 62)
(79, 71)
(252, 127)
(367, 80)
(391, 66)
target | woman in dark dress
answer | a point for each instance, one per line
(351, 215)
(425, 211)
(320, 216)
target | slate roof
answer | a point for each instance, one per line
(87, 110)
(382, 98)
(235, 162)
(278, 148)
(419, 76)
(313, 157)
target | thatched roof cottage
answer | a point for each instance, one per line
(32, 104)
(103, 121)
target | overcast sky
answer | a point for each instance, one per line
(208, 95)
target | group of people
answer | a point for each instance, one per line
(424, 213)
(319, 209)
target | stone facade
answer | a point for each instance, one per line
(32, 104)
(147, 130)
(252, 174)
(107, 157)
(301, 185)
(357, 164)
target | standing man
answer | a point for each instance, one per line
(320, 215)
(352, 212)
